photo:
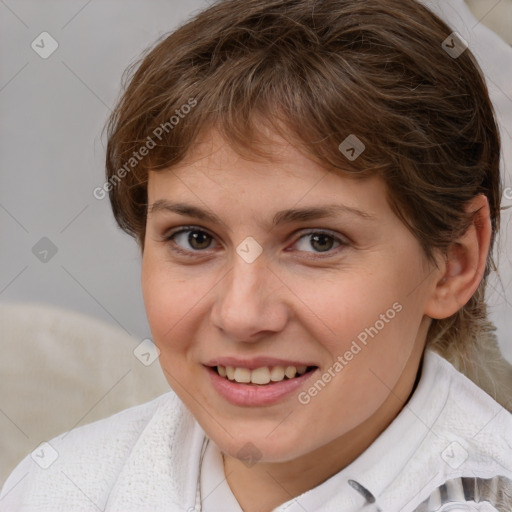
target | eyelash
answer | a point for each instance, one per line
(191, 254)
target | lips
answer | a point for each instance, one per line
(259, 381)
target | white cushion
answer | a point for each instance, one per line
(61, 369)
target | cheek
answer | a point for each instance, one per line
(176, 306)
(168, 303)
(167, 299)
(371, 323)
(373, 350)
(339, 309)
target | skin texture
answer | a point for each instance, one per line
(287, 304)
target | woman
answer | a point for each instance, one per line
(315, 191)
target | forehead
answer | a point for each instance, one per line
(287, 170)
(271, 154)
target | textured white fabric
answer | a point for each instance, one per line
(147, 458)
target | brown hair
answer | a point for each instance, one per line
(317, 72)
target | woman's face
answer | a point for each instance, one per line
(281, 265)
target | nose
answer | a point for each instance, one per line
(248, 306)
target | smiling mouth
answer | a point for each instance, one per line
(264, 375)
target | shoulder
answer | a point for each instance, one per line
(97, 450)
(468, 449)
(471, 415)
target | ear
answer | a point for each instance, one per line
(464, 264)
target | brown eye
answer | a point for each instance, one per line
(198, 239)
(190, 240)
(320, 242)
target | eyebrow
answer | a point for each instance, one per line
(281, 217)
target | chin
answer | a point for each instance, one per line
(260, 448)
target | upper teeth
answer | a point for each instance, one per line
(261, 375)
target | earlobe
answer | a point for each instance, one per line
(464, 264)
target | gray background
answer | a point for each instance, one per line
(52, 112)
(52, 155)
